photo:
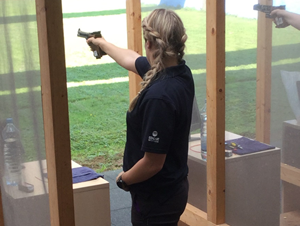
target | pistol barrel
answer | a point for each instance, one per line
(87, 35)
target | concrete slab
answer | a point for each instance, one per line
(120, 201)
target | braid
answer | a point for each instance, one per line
(165, 31)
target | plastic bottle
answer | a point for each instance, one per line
(12, 153)
(203, 117)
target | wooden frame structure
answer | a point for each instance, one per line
(55, 111)
(264, 71)
(215, 32)
(215, 95)
(215, 105)
(134, 31)
(55, 106)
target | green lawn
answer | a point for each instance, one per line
(97, 111)
(241, 44)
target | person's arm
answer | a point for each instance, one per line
(144, 169)
(289, 18)
(124, 57)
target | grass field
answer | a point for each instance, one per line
(241, 45)
(98, 105)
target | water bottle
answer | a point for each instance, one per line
(12, 153)
(203, 117)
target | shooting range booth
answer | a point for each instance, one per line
(248, 103)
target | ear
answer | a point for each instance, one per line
(148, 44)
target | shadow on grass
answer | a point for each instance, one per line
(195, 61)
(95, 72)
(245, 57)
(104, 106)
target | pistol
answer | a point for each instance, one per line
(267, 9)
(98, 52)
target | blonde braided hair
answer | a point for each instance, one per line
(164, 29)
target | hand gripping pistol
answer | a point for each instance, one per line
(98, 52)
(267, 9)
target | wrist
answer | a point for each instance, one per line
(100, 42)
(122, 184)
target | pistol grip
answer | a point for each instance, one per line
(97, 51)
(278, 21)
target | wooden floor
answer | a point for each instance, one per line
(286, 219)
(290, 219)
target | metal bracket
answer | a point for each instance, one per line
(267, 9)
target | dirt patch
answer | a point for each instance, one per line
(101, 162)
(78, 53)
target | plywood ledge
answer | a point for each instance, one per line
(290, 174)
(290, 218)
(194, 216)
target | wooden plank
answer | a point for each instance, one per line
(91, 202)
(290, 218)
(290, 174)
(215, 95)
(55, 111)
(264, 70)
(1, 210)
(193, 216)
(134, 37)
(1, 203)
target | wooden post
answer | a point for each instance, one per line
(134, 37)
(193, 216)
(215, 95)
(264, 70)
(1, 210)
(55, 110)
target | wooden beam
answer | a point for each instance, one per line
(193, 216)
(55, 111)
(215, 95)
(263, 79)
(290, 218)
(134, 40)
(290, 174)
(1, 209)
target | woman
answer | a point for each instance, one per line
(158, 121)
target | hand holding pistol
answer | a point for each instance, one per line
(98, 52)
(267, 9)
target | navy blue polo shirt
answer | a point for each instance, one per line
(160, 123)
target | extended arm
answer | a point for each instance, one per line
(144, 169)
(124, 57)
(288, 17)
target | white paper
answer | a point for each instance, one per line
(289, 79)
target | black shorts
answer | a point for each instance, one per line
(159, 208)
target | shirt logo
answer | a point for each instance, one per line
(154, 137)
